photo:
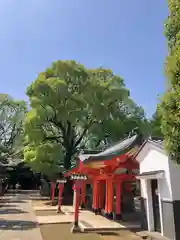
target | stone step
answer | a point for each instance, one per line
(150, 235)
(87, 227)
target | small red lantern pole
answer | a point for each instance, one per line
(77, 185)
(51, 191)
(61, 188)
(53, 185)
(77, 202)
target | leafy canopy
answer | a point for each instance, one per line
(74, 108)
(155, 125)
(169, 108)
(12, 114)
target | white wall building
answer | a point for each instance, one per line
(160, 190)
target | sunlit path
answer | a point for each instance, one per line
(17, 219)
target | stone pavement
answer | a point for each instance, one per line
(17, 218)
(88, 220)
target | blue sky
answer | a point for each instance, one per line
(124, 35)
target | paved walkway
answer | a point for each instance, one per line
(17, 219)
(88, 220)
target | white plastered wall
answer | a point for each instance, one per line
(153, 159)
(175, 179)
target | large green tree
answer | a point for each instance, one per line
(155, 125)
(12, 115)
(75, 108)
(169, 108)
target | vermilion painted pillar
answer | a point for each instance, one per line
(51, 191)
(61, 188)
(110, 196)
(77, 198)
(53, 186)
(76, 189)
(106, 200)
(83, 194)
(128, 187)
(118, 199)
(101, 194)
(95, 195)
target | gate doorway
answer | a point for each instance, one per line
(155, 204)
(130, 202)
(89, 196)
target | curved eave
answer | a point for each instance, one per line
(128, 146)
(71, 171)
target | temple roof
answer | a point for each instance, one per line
(116, 150)
(157, 141)
(10, 164)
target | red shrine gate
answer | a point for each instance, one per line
(110, 175)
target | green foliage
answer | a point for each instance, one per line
(169, 108)
(77, 108)
(172, 24)
(11, 126)
(45, 158)
(155, 125)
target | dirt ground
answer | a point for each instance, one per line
(47, 213)
(62, 231)
(37, 203)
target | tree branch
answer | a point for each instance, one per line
(111, 103)
(53, 138)
(84, 133)
(12, 135)
(56, 122)
(98, 143)
(68, 128)
(63, 130)
(2, 130)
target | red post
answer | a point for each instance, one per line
(50, 192)
(53, 185)
(118, 200)
(76, 189)
(97, 197)
(101, 195)
(110, 196)
(93, 194)
(77, 196)
(83, 194)
(60, 187)
(106, 195)
(77, 186)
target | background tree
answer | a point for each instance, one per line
(155, 125)
(74, 108)
(169, 108)
(12, 115)
(45, 158)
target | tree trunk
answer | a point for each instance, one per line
(67, 160)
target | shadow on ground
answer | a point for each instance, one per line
(108, 233)
(48, 213)
(7, 206)
(63, 231)
(17, 225)
(17, 201)
(11, 211)
(11, 201)
(49, 203)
